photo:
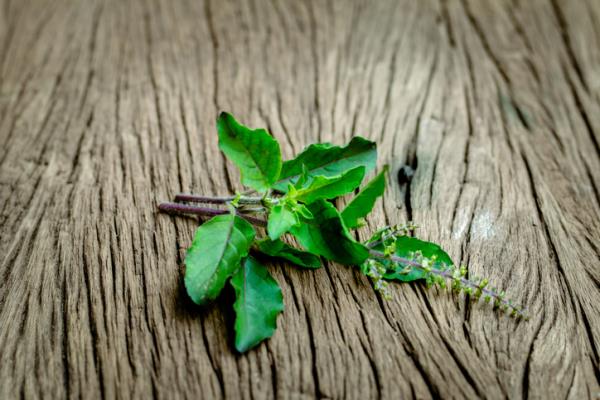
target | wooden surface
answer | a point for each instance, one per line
(107, 108)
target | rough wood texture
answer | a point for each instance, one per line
(107, 108)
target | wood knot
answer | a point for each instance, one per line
(405, 174)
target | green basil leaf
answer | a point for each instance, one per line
(216, 252)
(364, 201)
(405, 246)
(302, 178)
(327, 160)
(322, 187)
(326, 235)
(279, 249)
(254, 152)
(258, 302)
(281, 219)
(303, 211)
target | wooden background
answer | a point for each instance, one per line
(109, 107)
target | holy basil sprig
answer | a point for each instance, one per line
(294, 199)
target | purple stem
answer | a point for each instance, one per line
(187, 209)
(215, 200)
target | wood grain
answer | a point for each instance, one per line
(108, 108)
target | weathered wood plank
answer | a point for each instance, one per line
(108, 107)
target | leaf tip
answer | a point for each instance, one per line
(223, 115)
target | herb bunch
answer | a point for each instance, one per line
(296, 198)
